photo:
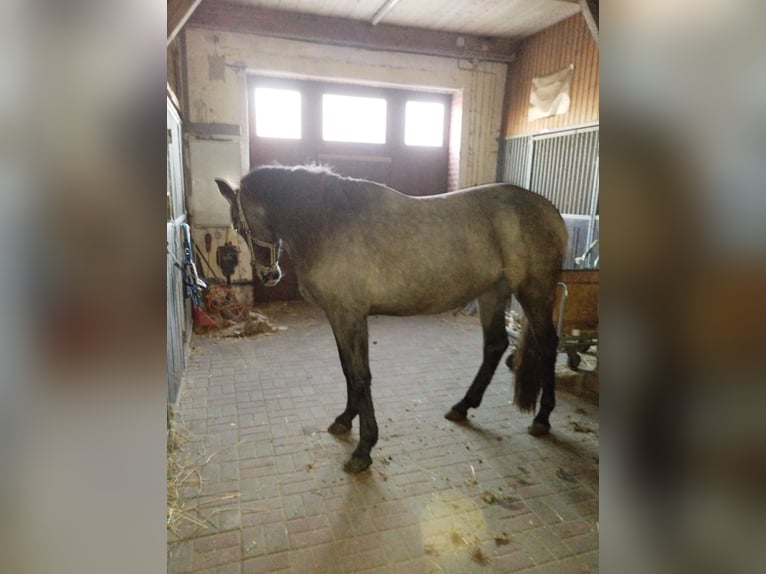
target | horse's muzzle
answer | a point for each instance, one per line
(271, 277)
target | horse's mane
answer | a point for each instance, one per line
(317, 168)
(309, 200)
(307, 188)
(312, 168)
(293, 179)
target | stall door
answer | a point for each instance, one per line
(178, 311)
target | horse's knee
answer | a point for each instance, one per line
(359, 384)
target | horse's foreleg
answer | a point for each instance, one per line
(342, 423)
(361, 458)
(492, 314)
(351, 336)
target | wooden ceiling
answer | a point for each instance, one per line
(484, 29)
(498, 18)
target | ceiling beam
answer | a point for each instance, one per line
(179, 11)
(382, 11)
(350, 33)
(588, 8)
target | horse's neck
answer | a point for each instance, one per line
(295, 212)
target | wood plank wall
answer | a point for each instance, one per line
(568, 42)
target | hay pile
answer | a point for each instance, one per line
(232, 318)
(255, 323)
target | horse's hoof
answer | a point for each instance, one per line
(338, 428)
(455, 416)
(539, 429)
(357, 464)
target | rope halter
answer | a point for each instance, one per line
(273, 248)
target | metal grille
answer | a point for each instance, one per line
(563, 167)
(560, 166)
(563, 170)
(515, 155)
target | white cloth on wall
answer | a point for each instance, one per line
(550, 94)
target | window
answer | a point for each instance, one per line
(353, 119)
(424, 124)
(277, 113)
(358, 129)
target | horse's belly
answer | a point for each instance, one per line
(418, 307)
(426, 297)
(421, 285)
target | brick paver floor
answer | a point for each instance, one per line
(260, 487)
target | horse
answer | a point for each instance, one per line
(361, 248)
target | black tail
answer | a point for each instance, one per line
(532, 362)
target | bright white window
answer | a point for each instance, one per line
(353, 119)
(277, 113)
(424, 124)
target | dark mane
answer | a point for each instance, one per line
(317, 168)
(310, 187)
(312, 200)
(287, 170)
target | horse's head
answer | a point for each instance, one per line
(250, 223)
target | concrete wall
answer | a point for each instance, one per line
(217, 64)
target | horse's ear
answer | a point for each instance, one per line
(226, 190)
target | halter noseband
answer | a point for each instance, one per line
(272, 247)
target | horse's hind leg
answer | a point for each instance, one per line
(350, 332)
(492, 313)
(535, 364)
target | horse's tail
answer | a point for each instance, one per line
(527, 387)
(530, 366)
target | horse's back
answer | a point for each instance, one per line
(397, 254)
(513, 208)
(527, 228)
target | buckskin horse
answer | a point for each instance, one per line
(361, 248)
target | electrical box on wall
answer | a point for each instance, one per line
(227, 257)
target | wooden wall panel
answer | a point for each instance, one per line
(568, 42)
